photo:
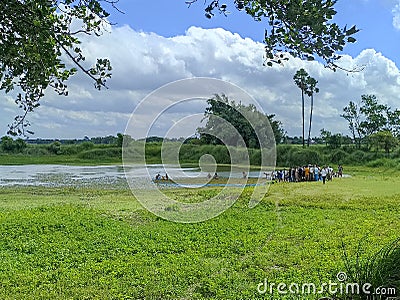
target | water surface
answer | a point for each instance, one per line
(95, 176)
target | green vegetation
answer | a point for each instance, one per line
(379, 269)
(87, 153)
(287, 155)
(101, 244)
(18, 152)
(374, 126)
(291, 155)
(372, 123)
(254, 127)
(36, 52)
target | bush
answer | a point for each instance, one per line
(221, 154)
(283, 153)
(255, 157)
(54, 148)
(395, 153)
(153, 152)
(338, 156)
(19, 145)
(304, 157)
(383, 162)
(9, 145)
(105, 153)
(85, 146)
(190, 153)
(370, 156)
(69, 150)
(357, 157)
(349, 149)
(36, 151)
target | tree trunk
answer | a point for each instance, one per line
(309, 128)
(302, 112)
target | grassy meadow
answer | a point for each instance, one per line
(82, 243)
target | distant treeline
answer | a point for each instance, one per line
(286, 155)
(190, 151)
(107, 140)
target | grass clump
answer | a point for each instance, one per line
(380, 272)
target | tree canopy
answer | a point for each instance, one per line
(38, 39)
(370, 117)
(301, 29)
(383, 140)
(251, 124)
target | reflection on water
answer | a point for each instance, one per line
(95, 176)
(59, 175)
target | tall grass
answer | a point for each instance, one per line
(380, 270)
(107, 153)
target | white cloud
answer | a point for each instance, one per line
(143, 62)
(396, 15)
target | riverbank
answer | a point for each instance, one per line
(20, 159)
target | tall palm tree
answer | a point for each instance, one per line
(300, 78)
(311, 87)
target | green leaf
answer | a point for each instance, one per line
(351, 40)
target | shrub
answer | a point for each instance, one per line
(221, 154)
(36, 151)
(153, 151)
(370, 156)
(255, 157)
(303, 157)
(85, 146)
(357, 157)
(54, 148)
(19, 145)
(338, 156)
(395, 153)
(105, 153)
(69, 149)
(283, 153)
(9, 145)
(191, 153)
(382, 162)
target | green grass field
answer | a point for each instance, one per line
(78, 243)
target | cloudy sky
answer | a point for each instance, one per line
(151, 46)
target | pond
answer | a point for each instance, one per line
(112, 176)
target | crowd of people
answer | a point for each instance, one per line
(294, 174)
(305, 173)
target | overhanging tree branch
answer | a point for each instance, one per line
(34, 35)
(302, 29)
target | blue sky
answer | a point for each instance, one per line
(153, 45)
